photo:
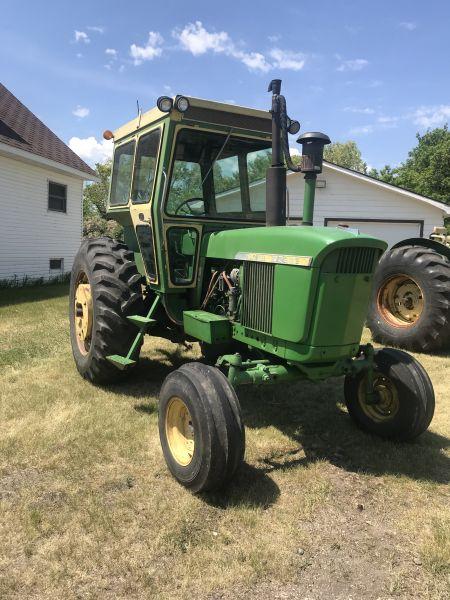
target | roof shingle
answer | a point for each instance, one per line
(20, 128)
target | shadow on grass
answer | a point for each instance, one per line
(35, 293)
(312, 415)
(250, 487)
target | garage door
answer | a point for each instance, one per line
(385, 230)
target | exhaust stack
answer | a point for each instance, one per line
(276, 173)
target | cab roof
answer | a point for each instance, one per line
(208, 111)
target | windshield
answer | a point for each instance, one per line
(218, 176)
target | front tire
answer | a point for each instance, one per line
(105, 288)
(200, 427)
(404, 405)
(410, 306)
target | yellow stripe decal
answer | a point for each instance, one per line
(279, 259)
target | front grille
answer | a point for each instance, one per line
(356, 260)
(257, 297)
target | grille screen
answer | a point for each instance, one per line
(257, 300)
(356, 260)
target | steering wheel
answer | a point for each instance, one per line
(186, 204)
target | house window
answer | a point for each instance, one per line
(56, 264)
(57, 196)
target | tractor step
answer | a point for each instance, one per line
(121, 362)
(140, 321)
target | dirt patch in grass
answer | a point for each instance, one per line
(319, 510)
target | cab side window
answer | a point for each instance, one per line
(145, 166)
(121, 175)
(182, 244)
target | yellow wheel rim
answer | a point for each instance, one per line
(83, 313)
(180, 431)
(387, 403)
(400, 301)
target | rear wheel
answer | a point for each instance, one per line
(105, 288)
(403, 405)
(200, 427)
(410, 305)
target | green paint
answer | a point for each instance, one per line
(308, 198)
(206, 326)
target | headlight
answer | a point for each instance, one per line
(164, 103)
(181, 103)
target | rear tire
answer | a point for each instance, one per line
(114, 285)
(405, 393)
(410, 306)
(200, 427)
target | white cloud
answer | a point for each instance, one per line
(112, 52)
(90, 150)
(273, 39)
(253, 60)
(284, 59)
(194, 38)
(79, 55)
(387, 120)
(197, 40)
(81, 112)
(362, 111)
(96, 28)
(408, 25)
(432, 116)
(375, 83)
(151, 50)
(356, 64)
(81, 36)
(363, 130)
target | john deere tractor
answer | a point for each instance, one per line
(200, 190)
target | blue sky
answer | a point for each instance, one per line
(375, 72)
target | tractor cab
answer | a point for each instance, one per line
(179, 175)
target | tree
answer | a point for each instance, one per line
(95, 197)
(345, 154)
(387, 174)
(426, 171)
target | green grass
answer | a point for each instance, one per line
(89, 510)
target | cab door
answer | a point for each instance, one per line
(142, 193)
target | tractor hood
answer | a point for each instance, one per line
(295, 245)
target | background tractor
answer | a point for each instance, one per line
(410, 304)
(206, 257)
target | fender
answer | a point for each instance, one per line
(426, 243)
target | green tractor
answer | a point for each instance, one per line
(200, 190)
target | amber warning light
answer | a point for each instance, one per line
(108, 135)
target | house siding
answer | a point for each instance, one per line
(346, 197)
(30, 234)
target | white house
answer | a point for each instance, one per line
(348, 198)
(41, 188)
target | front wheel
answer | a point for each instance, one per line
(200, 427)
(403, 405)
